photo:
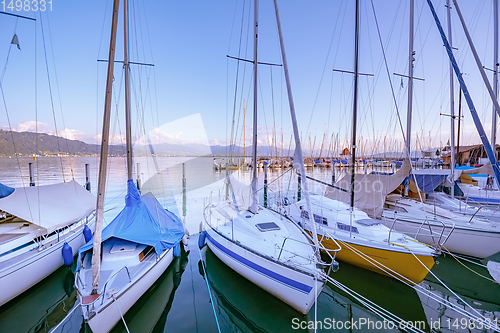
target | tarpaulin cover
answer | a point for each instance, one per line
(143, 220)
(429, 179)
(50, 206)
(5, 191)
(428, 183)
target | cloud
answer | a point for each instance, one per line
(32, 126)
(72, 134)
(116, 139)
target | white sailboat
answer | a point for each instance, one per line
(36, 224)
(437, 226)
(140, 242)
(365, 241)
(40, 226)
(263, 246)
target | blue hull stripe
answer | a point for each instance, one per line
(262, 270)
(485, 200)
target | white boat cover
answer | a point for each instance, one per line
(484, 169)
(370, 190)
(50, 206)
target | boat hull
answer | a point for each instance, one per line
(295, 288)
(17, 276)
(108, 315)
(472, 242)
(413, 267)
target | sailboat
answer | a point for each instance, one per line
(37, 222)
(120, 264)
(261, 245)
(38, 226)
(365, 241)
(462, 234)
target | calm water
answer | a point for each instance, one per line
(195, 297)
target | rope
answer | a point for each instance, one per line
(419, 288)
(120, 311)
(470, 269)
(374, 307)
(209, 291)
(51, 97)
(481, 317)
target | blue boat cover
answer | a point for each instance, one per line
(143, 220)
(464, 167)
(429, 182)
(5, 190)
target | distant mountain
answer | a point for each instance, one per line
(29, 143)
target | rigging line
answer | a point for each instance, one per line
(232, 138)
(209, 290)
(8, 118)
(51, 97)
(468, 268)
(370, 305)
(274, 116)
(389, 77)
(263, 110)
(233, 135)
(244, 63)
(337, 20)
(8, 53)
(97, 130)
(469, 314)
(140, 101)
(153, 71)
(5, 102)
(59, 94)
(416, 287)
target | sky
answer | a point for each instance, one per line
(56, 84)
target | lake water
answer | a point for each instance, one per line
(195, 297)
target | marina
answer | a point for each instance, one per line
(198, 288)
(153, 218)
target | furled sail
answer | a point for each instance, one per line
(370, 190)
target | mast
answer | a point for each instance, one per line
(355, 102)
(459, 118)
(411, 53)
(495, 74)
(472, 109)
(244, 135)
(478, 62)
(298, 158)
(452, 106)
(101, 187)
(126, 68)
(254, 207)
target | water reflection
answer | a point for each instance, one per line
(149, 313)
(392, 295)
(41, 307)
(240, 304)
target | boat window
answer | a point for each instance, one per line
(346, 227)
(399, 209)
(267, 226)
(317, 218)
(147, 251)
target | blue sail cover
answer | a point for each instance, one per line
(143, 220)
(5, 191)
(429, 182)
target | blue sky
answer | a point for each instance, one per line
(188, 42)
